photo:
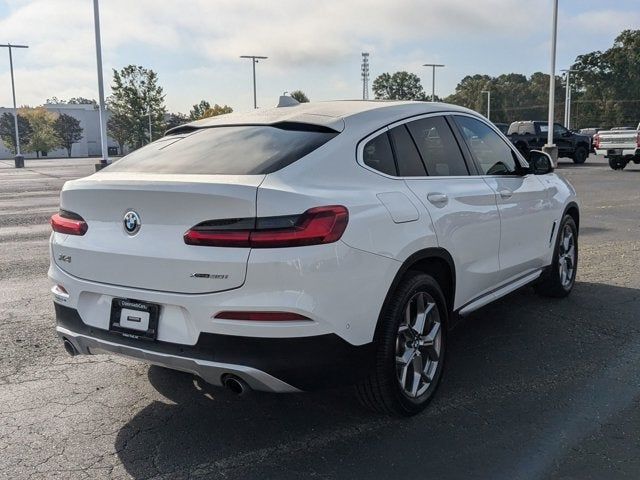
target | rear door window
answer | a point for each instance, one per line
(407, 156)
(230, 150)
(438, 147)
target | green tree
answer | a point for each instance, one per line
(118, 127)
(136, 97)
(399, 86)
(68, 131)
(217, 110)
(198, 110)
(43, 138)
(8, 131)
(300, 96)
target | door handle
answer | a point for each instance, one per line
(438, 199)
(505, 193)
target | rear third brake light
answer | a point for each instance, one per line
(314, 227)
(69, 223)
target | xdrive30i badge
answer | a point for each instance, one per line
(131, 222)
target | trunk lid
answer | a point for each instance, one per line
(155, 257)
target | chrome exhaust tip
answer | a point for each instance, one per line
(70, 349)
(235, 384)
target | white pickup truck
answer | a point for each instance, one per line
(619, 146)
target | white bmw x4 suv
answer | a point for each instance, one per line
(300, 247)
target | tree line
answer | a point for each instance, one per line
(606, 89)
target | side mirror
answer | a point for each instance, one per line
(540, 163)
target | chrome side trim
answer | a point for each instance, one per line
(211, 372)
(500, 292)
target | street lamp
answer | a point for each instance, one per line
(103, 121)
(550, 147)
(488, 92)
(567, 98)
(433, 78)
(19, 159)
(254, 60)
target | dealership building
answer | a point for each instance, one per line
(88, 146)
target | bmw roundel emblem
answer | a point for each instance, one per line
(131, 222)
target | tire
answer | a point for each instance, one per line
(580, 155)
(392, 387)
(558, 281)
(617, 163)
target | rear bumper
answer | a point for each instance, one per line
(624, 152)
(266, 364)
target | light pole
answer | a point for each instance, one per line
(254, 60)
(102, 108)
(19, 159)
(550, 147)
(433, 78)
(488, 92)
(567, 98)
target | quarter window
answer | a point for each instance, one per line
(378, 155)
(438, 147)
(493, 155)
(407, 156)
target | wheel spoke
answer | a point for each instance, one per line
(417, 375)
(406, 357)
(421, 318)
(428, 342)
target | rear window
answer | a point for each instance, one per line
(233, 150)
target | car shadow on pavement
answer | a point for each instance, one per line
(519, 378)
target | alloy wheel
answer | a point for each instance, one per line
(567, 257)
(418, 345)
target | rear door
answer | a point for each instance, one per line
(525, 211)
(462, 207)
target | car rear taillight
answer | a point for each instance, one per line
(262, 316)
(596, 141)
(314, 227)
(638, 140)
(69, 223)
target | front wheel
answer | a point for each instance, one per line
(410, 349)
(617, 163)
(560, 277)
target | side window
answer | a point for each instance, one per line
(407, 156)
(438, 147)
(493, 155)
(559, 130)
(378, 155)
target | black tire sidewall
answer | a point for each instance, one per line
(580, 155)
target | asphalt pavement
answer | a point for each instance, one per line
(534, 388)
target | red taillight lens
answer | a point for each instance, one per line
(314, 227)
(262, 316)
(638, 141)
(69, 223)
(596, 141)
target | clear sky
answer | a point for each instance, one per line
(312, 45)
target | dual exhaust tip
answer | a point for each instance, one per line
(232, 382)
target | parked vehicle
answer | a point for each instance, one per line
(619, 145)
(590, 132)
(531, 135)
(302, 247)
(503, 127)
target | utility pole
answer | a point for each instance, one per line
(433, 78)
(488, 92)
(567, 98)
(550, 147)
(19, 159)
(365, 76)
(102, 107)
(254, 60)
